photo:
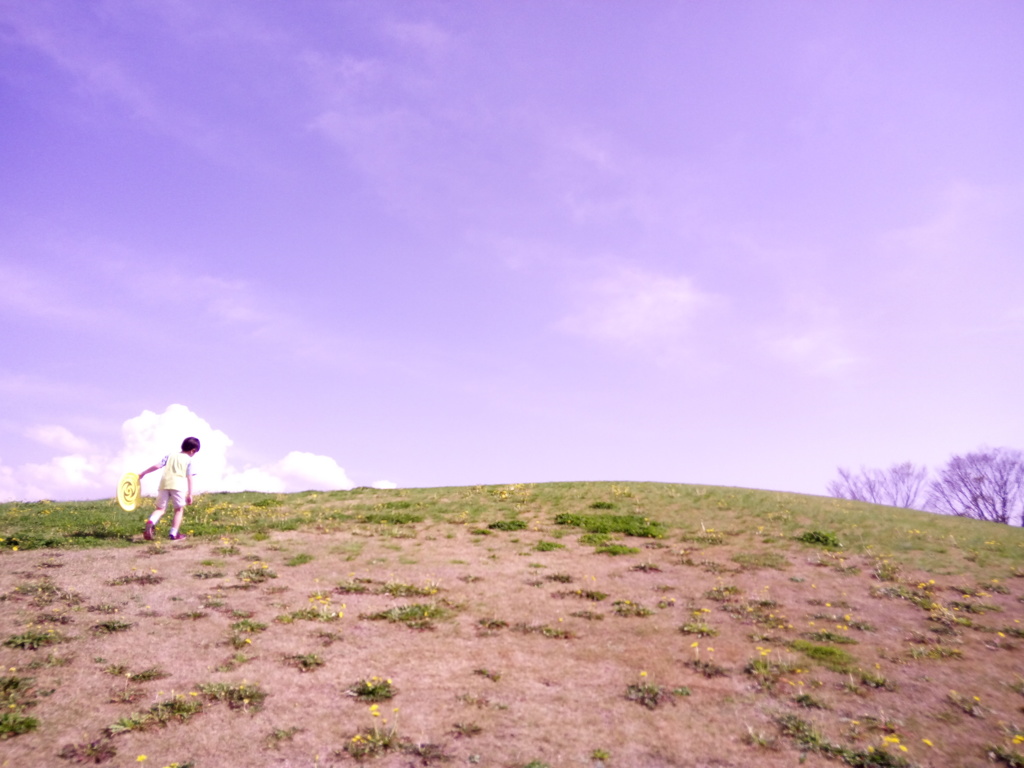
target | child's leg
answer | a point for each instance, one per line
(161, 507)
(179, 513)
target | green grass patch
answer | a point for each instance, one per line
(629, 525)
(548, 546)
(835, 659)
(391, 518)
(508, 525)
(753, 561)
(616, 550)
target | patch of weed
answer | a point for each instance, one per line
(110, 626)
(753, 561)
(305, 662)
(400, 589)
(372, 689)
(707, 668)
(826, 636)
(16, 695)
(99, 751)
(508, 525)
(807, 701)
(810, 740)
(257, 573)
(180, 708)
(629, 608)
(33, 639)
(248, 626)
(820, 539)
(646, 694)
(376, 740)
(492, 624)
(136, 579)
(722, 593)
(243, 696)
(280, 735)
(354, 586)
(699, 628)
(766, 670)
(935, 652)
(191, 615)
(583, 594)
(466, 730)
(414, 616)
(555, 633)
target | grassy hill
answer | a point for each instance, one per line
(563, 624)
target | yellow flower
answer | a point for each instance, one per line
(140, 758)
(928, 742)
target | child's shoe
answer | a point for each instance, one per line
(147, 532)
(177, 536)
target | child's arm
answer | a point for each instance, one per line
(188, 499)
(145, 472)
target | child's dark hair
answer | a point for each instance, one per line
(190, 444)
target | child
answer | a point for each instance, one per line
(176, 480)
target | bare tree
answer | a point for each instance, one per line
(985, 485)
(898, 486)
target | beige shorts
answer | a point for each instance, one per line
(177, 498)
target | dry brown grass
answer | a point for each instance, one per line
(556, 700)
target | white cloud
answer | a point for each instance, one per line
(425, 35)
(385, 485)
(87, 471)
(634, 307)
(308, 471)
(816, 351)
(61, 438)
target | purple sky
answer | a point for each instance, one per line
(447, 243)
